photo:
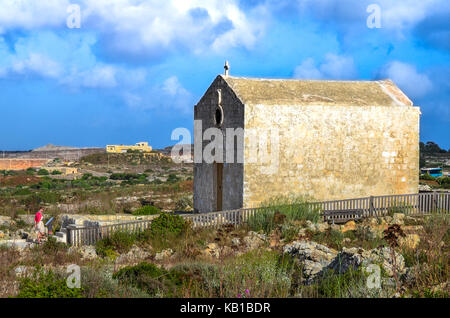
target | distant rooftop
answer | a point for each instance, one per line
(317, 92)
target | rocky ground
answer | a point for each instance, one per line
(401, 249)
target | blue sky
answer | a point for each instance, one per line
(134, 69)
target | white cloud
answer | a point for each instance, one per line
(37, 64)
(68, 60)
(406, 76)
(167, 97)
(396, 16)
(100, 76)
(333, 67)
(29, 14)
(145, 27)
(175, 96)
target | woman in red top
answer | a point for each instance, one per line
(39, 224)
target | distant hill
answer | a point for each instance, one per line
(52, 152)
(51, 147)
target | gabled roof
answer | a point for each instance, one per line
(315, 92)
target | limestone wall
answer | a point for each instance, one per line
(334, 152)
(204, 174)
(64, 154)
(21, 164)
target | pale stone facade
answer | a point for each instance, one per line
(337, 140)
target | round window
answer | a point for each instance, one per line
(218, 116)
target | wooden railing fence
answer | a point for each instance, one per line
(337, 211)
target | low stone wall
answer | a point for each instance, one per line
(67, 154)
(99, 220)
(21, 164)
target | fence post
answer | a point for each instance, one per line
(69, 235)
(435, 198)
(371, 208)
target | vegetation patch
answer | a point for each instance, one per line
(147, 210)
(293, 208)
(47, 285)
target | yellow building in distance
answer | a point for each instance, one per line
(140, 146)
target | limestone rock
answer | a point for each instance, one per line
(314, 257)
(399, 218)
(424, 188)
(322, 226)
(235, 242)
(350, 258)
(317, 227)
(254, 240)
(349, 226)
(386, 220)
(390, 261)
(5, 220)
(88, 252)
(212, 250)
(335, 227)
(164, 254)
(135, 254)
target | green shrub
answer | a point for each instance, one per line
(43, 172)
(22, 192)
(49, 197)
(166, 224)
(128, 176)
(52, 246)
(47, 285)
(120, 242)
(149, 278)
(147, 210)
(56, 172)
(172, 178)
(98, 283)
(444, 182)
(157, 181)
(350, 284)
(289, 232)
(332, 238)
(86, 176)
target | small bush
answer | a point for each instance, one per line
(350, 284)
(22, 192)
(332, 238)
(427, 177)
(98, 283)
(164, 226)
(147, 210)
(147, 277)
(43, 172)
(51, 246)
(56, 172)
(47, 285)
(120, 242)
(172, 178)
